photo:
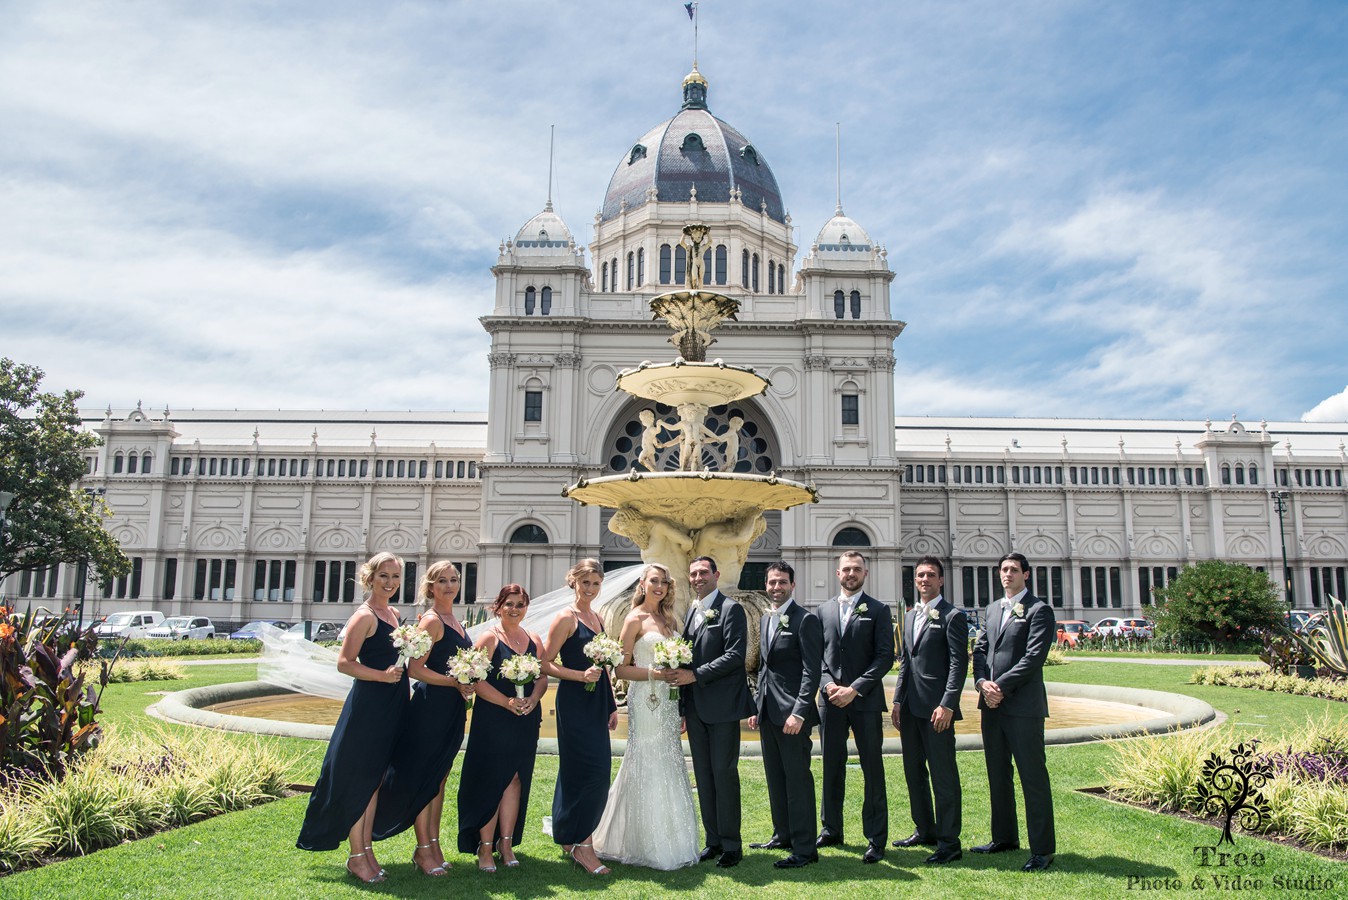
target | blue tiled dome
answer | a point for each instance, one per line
(693, 149)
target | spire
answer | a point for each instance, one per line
(838, 165)
(694, 90)
(552, 142)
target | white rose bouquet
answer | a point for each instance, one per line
(603, 651)
(469, 666)
(672, 653)
(523, 669)
(411, 643)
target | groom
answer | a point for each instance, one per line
(713, 700)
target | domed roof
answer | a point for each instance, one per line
(693, 150)
(842, 234)
(545, 230)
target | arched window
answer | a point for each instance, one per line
(529, 534)
(680, 265)
(781, 278)
(1226, 474)
(720, 263)
(753, 277)
(1240, 474)
(856, 304)
(839, 304)
(131, 461)
(117, 462)
(772, 277)
(1254, 474)
(666, 261)
(545, 306)
(641, 266)
(604, 278)
(613, 267)
(530, 298)
(706, 266)
(851, 537)
(631, 269)
(744, 268)
(146, 459)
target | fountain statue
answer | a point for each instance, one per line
(705, 507)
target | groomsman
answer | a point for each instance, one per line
(714, 697)
(858, 654)
(1009, 674)
(788, 679)
(933, 666)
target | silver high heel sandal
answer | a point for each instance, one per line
(370, 850)
(373, 879)
(480, 867)
(511, 863)
(435, 871)
(600, 869)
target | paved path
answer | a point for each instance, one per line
(1208, 661)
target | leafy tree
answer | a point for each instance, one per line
(1220, 600)
(51, 519)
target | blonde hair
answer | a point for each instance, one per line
(432, 576)
(370, 566)
(639, 593)
(588, 564)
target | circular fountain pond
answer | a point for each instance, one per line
(1077, 713)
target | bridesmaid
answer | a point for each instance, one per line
(343, 801)
(413, 792)
(499, 764)
(584, 718)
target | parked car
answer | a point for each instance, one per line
(327, 631)
(1298, 619)
(178, 628)
(1071, 630)
(1117, 627)
(133, 625)
(253, 630)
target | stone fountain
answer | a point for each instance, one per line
(704, 508)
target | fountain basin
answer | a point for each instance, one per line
(692, 499)
(1092, 713)
(703, 383)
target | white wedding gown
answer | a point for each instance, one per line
(649, 820)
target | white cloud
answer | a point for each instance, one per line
(1330, 409)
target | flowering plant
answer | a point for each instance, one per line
(411, 643)
(603, 651)
(672, 653)
(522, 669)
(469, 666)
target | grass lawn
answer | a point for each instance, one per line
(1101, 845)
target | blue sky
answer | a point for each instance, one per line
(1133, 209)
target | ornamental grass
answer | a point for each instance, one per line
(125, 671)
(1260, 678)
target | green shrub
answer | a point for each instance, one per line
(208, 647)
(123, 671)
(1221, 601)
(1265, 680)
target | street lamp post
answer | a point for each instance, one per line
(1280, 499)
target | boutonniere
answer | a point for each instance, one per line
(708, 615)
(1018, 611)
(933, 614)
(784, 623)
(859, 608)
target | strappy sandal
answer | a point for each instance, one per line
(510, 863)
(435, 871)
(480, 867)
(382, 870)
(600, 869)
(373, 879)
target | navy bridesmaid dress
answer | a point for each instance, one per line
(360, 749)
(585, 758)
(431, 738)
(500, 746)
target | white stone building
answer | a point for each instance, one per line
(242, 515)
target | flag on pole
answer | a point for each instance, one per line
(691, 7)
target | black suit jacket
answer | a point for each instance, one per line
(1013, 656)
(720, 646)
(788, 677)
(933, 669)
(860, 655)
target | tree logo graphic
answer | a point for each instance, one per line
(1230, 788)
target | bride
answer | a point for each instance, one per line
(649, 819)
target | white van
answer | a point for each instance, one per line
(129, 624)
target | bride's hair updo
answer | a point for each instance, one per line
(666, 607)
(371, 566)
(587, 565)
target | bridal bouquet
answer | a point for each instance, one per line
(603, 651)
(522, 669)
(411, 643)
(469, 666)
(672, 653)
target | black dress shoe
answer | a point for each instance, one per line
(940, 857)
(874, 853)
(828, 840)
(775, 844)
(709, 853)
(796, 861)
(1037, 863)
(996, 847)
(729, 859)
(914, 840)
